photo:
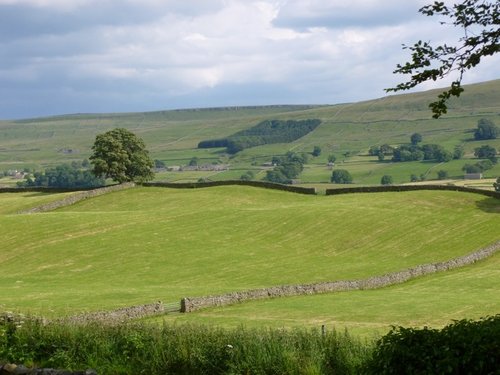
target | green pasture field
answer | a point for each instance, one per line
(11, 203)
(8, 182)
(434, 301)
(146, 244)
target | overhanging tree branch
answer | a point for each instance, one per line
(433, 63)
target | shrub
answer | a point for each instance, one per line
(486, 129)
(442, 174)
(415, 138)
(341, 176)
(386, 180)
(463, 347)
(496, 184)
(248, 176)
(316, 151)
(486, 152)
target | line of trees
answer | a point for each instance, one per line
(413, 152)
(63, 176)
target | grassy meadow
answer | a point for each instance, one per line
(146, 244)
(433, 301)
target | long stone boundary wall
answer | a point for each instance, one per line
(122, 314)
(77, 197)
(196, 303)
(397, 188)
(261, 184)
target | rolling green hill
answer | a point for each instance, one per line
(173, 136)
(146, 244)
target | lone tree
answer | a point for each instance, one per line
(341, 176)
(386, 180)
(415, 138)
(442, 174)
(479, 21)
(486, 129)
(121, 155)
(316, 151)
(331, 158)
(486, 152)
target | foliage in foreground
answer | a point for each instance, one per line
(463, 347)
(478, 20)
(146, 349)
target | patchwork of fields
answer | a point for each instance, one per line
(172, 137)
(146, 244)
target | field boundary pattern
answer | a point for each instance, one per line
(191, 304)
(259, 184)
(403, 188)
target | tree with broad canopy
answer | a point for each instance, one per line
(121, 155)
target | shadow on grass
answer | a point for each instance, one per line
(490, 205)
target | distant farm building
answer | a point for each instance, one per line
(473, 176)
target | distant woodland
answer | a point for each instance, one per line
(266, 132)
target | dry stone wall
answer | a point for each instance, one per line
(260, 184)
(120, 315)
(399, 188)
(77, 197)
(197, 303)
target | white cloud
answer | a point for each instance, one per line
(193, 51)
(64, 5)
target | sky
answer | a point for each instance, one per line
(101, 56)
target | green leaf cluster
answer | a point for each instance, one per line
(486, 152)
(486, 129)
(341, 176)
(463, 347)
(122, 156)
(479, 21)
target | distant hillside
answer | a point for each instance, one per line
(346, 131)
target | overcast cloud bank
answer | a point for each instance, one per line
(61, 56)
